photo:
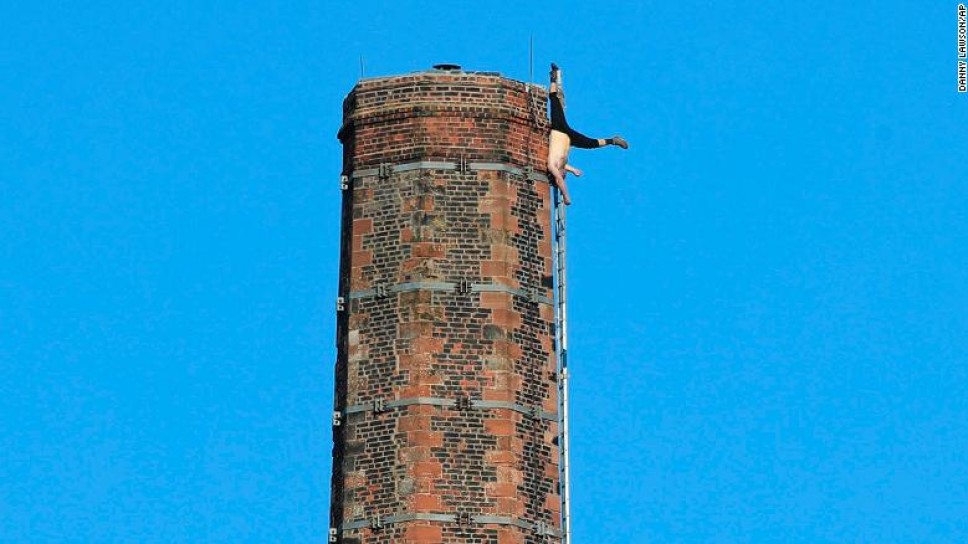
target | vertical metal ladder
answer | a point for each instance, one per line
(561, 353)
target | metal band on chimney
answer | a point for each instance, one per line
(540, 528)
(386, 168)
(381, 405)
(382, 291)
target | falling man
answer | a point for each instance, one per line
(563, 137)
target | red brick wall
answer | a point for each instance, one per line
(445, 225)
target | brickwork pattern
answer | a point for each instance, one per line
(445, 225)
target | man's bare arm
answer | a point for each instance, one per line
(573, 170)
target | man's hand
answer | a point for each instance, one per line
(558, 178)
(573, 170)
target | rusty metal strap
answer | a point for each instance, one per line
(378, 522)
(382, 291)
(530, 294)
(540, 528)
(387, 168)
(399, 518)
(406, 287)
(381, 405)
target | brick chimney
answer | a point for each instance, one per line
(445, 417)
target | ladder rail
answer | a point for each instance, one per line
(561, 353)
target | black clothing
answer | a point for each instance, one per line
(559, 123)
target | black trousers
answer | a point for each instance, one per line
(559, 123)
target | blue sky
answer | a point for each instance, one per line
(768, 290)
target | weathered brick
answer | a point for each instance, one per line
(426, 438)
(499, 427)
(424, 533)
(501, 490)
(426, 502)
(427, 468)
